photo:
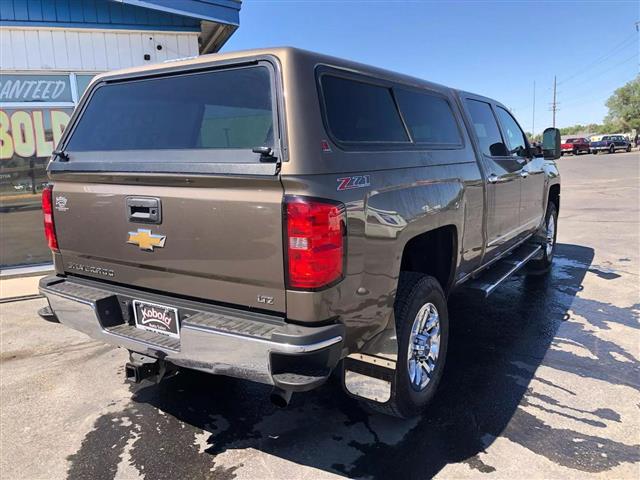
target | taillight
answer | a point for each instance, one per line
(47, 211)
(315, 242)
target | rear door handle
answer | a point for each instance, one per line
(144, 210)
(492, 178)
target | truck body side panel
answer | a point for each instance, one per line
(381, 219)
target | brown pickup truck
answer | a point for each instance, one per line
(277, 215)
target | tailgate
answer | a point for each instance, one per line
(219, 241)
(170, 182)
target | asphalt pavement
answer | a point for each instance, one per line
(542, 381)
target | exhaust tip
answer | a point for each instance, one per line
(280, 398)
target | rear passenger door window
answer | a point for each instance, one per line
(429, 118)
(486, 129)
(359, 112)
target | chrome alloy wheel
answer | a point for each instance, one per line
(551, 233)
(424, 346)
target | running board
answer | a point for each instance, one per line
(500, 271)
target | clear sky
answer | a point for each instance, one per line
(493, 48)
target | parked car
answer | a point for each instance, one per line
(576, 146)
(611, 144)
(277, 214)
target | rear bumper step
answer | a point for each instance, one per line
(216, 340)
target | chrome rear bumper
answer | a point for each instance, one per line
(212, 339)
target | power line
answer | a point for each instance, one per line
(595, 75)
(594, 97)
(613, 67)
(605, 56)
(627, 41)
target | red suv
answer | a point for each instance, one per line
(575, 146)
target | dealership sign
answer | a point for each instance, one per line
(31, 133)
(35, 88)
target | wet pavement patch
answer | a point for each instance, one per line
(195, 425)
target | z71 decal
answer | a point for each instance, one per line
(356, 181)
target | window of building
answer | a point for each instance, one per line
(82, 82)
(34, 111)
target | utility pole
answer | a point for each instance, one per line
(533, 120)
(554, 105)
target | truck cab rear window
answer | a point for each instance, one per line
(361, 112)
(226, 109)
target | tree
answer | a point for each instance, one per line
(624, 106)
(573, 130)
(533, 138)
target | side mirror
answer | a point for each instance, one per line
(551, 143)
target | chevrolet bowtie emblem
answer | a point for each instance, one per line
(146, 240)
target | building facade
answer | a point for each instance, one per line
(49, 51)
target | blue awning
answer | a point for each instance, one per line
(219, 18)
(220, 11)
(216, 20)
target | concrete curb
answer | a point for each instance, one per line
(19, 288)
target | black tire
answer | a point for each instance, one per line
(576, 152)
(415, 290)
(628, 148)
(543, 265)
(612, 149)
(595, 152)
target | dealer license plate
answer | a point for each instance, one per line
(156, 318)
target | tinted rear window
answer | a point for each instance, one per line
(428, 117)
(228, 109)
(361, 112)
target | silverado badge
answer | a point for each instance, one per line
(146, 240)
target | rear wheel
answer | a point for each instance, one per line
(547, 235)
(422, 328)
(576, 152)
(628, 148)
(612, 149)
(595, 152)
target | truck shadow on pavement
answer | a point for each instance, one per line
(198, 426)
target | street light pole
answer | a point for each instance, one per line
(533, 119)
(554, 105)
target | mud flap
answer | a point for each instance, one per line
(369, 377)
